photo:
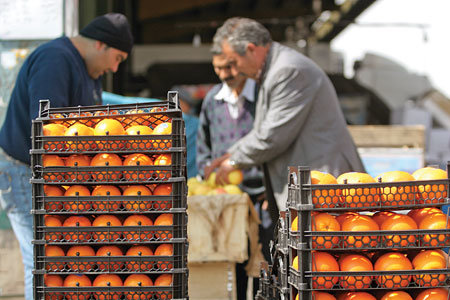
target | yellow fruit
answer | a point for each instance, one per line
(211, 180)
(232, 189)
(235, 177)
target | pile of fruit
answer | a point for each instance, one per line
(358, 237)
(209, 187)
(109, 194)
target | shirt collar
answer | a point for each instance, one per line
(248, 92)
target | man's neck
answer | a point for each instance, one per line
(238, 90)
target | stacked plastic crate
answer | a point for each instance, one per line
(407, 262)
(109, 202)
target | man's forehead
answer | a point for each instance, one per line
(221, 60)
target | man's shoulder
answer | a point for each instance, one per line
(54, 49)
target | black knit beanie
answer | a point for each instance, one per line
(112, 29)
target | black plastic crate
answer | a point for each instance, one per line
(283, 232)
(177, 289)
(303, 195)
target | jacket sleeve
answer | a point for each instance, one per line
(290, 98)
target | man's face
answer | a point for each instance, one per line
(247, 65)
(107, 59)
(224, 70)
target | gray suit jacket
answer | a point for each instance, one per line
(298, 122)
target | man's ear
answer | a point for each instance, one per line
(251, 47)
(99, 45)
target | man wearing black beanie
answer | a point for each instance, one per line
(67, 71)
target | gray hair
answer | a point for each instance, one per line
(239, 32)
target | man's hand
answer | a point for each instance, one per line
(222, 173)
(209, 168)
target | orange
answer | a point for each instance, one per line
(106, 160)
(106, 204)
(360, 223)
(141, 143)
(162, 129)
(322, 296)
(164, 250)
(420, 213)
(79, 129)
(109, 127)
(81, 266)
(107, 280)
(78, 160)
(53, 130)
(164, 220)
(56, 116)
(78, 204)
(137, 205)
(109, 264)
(141, 264)
(164, 189)
(163, 160)
(53, 281)
(430, 260)
(399, 223)
(295, 263)
(164, 280)
(393, 261)
(355, 263)
(324, 262)
(53, 191)
(77, 280)
(79, 235)
(51, 250)
(435, 221)
(325, 222)
(52, 161)
(396, 295)
(433, 294)
(397, 195)
(109, 234)
(137, 159)
(136, 120)
(325, 198)
(138, 220)
(342, 217)
(431, 193)
(138, 280)
(358, 197)
(157, 119)
(52, 221)
(356, 296)
(381, 216)
(87, 122)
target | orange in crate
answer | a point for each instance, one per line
(87, 122)
(54, 130)
(107, 280)
(53, 191)
(79, 129)
(139, 265)
(138, 143)
(357, 224)
(106, 160)
(381, 216)
(325, 198)
(430, 260)
(79, 235)
(420, 213)
(77, 280)
(358, 197)
(51, 221)
(106, 204)
(164, 280)
(325, 222)
(52, 161)
(435, 221)
(355, 296)
(396, 295)
(107, 264)
(164, 220)
(135, 120)
(164, 250)
(107, 127)
(138, 220)
(433, 294)
(162, 129)
(157, 119)
(163, 160)
(79, 251)
(397, 195)
(138, 159)
(137, 205)
(106, 235)
(431, 193)
(320, 296)
(78, 160)
(138, 280)
(324, 262)
(342, 217)
(399, 223)
(393, 261)
(164, 189)
(355, 263)
(52, 250)
(53, 281)
(79, 204)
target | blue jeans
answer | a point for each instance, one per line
(15, 199)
